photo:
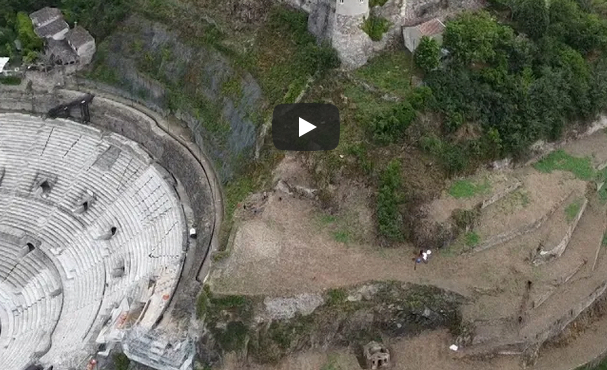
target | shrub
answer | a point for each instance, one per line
(121, 362)
(427, 54)
(388, 127)
(420, 97)
(10, 80)
(389, 198)
(465, 219)
(453, 159)
(336, 296)
(234, 337)
(375, 27)
(25, 31)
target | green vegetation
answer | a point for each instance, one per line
(283, 74)
(121, 362)
(601, 366)
(427, 54)
(604, 240)
(374, 3)
(375, 27)
(389, 197)
(10, 80)
(390, 71)
(341, 236)
(336, 296)
(30, 42)
(559, 160)
(467, 189)
(331, 364)
(572, 210)
(500, 91)
(232, 88)
(471, 239)
(332, 322)
(390, 126)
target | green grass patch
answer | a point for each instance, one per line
(601, 366)
(375, 27)
(559, 160)
(234, 337)
(390, 71)
(572, 210)
(10, 80)
(603, 194)
(121, 362)
(472, 239)
(232, 88)
(327, 219)
(604, 241)
(331, 364)
(336, 296)
(374, 3)
(341, 236)
(202, 304)
(286, 54)
(466, 188)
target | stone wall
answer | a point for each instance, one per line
(558, 250)
(509, 235)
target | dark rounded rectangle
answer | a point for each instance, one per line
(286, 131)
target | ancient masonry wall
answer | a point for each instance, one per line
(509, 235)
(558, 250)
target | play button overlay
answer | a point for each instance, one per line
(305, 127)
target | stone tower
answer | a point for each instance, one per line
(339, 22)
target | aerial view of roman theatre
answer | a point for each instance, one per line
(95, 232)
(157, 212)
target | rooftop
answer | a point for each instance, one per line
(45, 15)
(431, 28)
(52, 28)
(78, 36)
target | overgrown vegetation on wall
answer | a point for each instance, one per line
(389, 309)
(375, 27)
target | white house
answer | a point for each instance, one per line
(83, 44)
(434, 29)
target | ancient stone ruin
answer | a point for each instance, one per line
(376, 355)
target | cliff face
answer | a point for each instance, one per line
(195, 83)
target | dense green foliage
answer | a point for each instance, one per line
(98, 16)
(25, 33)
(427, 54)
(375, 27)
(121, 362)
(389, 198)
(311, 56)
(10, 80)
(392, 124)
(500, 90)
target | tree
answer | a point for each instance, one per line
(427, 54)
(25, 32)
(474, 37)
(532, 16)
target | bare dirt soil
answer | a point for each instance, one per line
(289, 245)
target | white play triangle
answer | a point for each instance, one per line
(305, 127)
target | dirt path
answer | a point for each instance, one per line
(288, 245)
